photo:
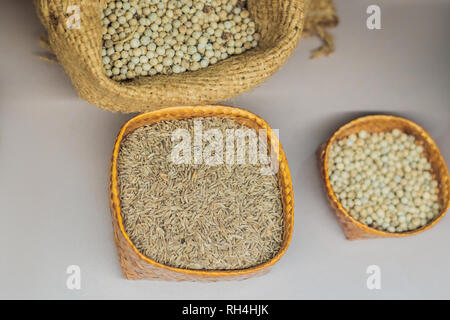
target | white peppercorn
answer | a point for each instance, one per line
(147, 37)
(384, 180)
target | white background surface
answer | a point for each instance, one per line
(55, 151)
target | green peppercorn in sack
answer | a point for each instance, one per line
(204, 71)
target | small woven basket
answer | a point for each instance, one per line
(354, 229)
(137, 266)
(280, 23)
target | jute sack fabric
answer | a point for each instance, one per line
(280, 23)
(321, 15)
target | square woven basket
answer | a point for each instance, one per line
(137, 266)
(353, 229)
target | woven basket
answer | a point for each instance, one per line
(137, 266)
(280, 23)
(354, 229)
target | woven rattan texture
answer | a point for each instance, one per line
(135, 265)
(352, 228)
(79, 52)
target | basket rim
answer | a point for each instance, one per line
(332, 195)
(197, 112)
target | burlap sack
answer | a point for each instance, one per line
(280, 23)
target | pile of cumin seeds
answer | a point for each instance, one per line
(196, 216)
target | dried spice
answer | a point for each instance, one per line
(149, 37)
(196, 216)
(384, 180)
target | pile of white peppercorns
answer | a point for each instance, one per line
(384, 180)
(149, 37)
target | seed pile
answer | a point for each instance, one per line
(196, 216)
(149, 37)
(384, 180)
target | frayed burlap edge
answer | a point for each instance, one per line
(321, 16)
